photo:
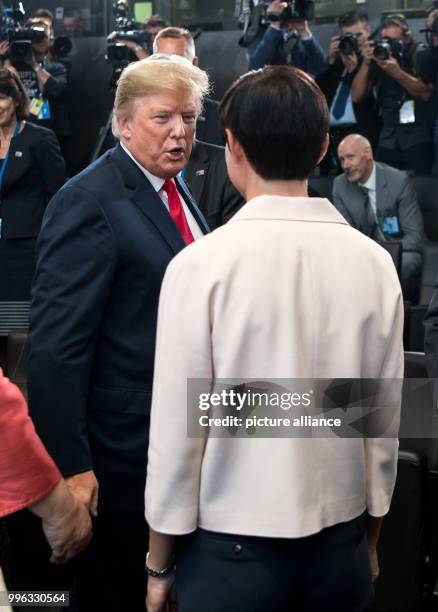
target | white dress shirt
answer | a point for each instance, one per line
(157, 183)
(349, 115)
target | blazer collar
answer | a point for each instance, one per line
(290, 209)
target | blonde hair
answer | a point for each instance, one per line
(177, 34)
(155, 74)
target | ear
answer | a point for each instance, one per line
(195, 61)
(125, 128)
(234, 146)
(324, 148)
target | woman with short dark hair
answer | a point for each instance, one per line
(259, 514)
(32, 169)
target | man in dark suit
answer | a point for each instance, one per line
(346, 116)
(380, 202)
(206, 175)
(106, 240)
(179, 41)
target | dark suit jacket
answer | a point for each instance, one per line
(34, 172)
(368, 122)
(105, 243)
(206, 175)
(208, 125)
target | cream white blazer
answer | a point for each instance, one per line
(287, 289)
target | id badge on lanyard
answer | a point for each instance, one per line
(407, 112)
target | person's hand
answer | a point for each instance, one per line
(4, 47)
(65, 521)
(334, 49)
(390, 66)
(276, 7)
(85, 488)
(302, 27)
(368, 52)
(161, 594)
(68, 533)
(374, 562)
(137, 49)
(429, 25)
(431, 18)
(350, 61)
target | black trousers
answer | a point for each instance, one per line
(326, 572)
(108, 576)
(417, 159)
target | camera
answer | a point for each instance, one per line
(252, 17)
(295, 9)
(125, 29)
(348, 44)
(384, 48)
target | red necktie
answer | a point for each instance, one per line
(177, 211)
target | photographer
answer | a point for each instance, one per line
(347, 117)
(401, 73)
(286, 41)
(432, 37)
(45, 82)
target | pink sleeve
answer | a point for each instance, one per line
(27, 472)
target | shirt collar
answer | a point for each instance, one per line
(156, 182)
(370, 184)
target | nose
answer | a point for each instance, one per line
(178, 127)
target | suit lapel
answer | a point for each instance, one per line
(147, 200)
(185, 193)
(381, 192)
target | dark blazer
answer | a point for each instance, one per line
(34, 172)
(368, 121)
(105, 243)
(208, 125)
(206, 175)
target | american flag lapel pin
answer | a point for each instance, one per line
(200, 172)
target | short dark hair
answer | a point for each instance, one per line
(352, 18)
(156, 21)
(44, 12)
(11, 85)
(281, 119)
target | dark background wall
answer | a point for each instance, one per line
(219, 53)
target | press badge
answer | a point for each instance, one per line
(35, 106)
(44, 111)
(407, 112)
(390, 225)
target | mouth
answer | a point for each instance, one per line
(176, 154)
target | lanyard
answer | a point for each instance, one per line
(2, 169)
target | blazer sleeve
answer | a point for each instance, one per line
(27, 473)
(339, 203)
(265, 52)
(75, 262)
(381, 453)
(56, 84)
(315, 61)
(410, 218)
(51, 163)
(183, 352)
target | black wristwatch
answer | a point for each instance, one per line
(160, 573)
